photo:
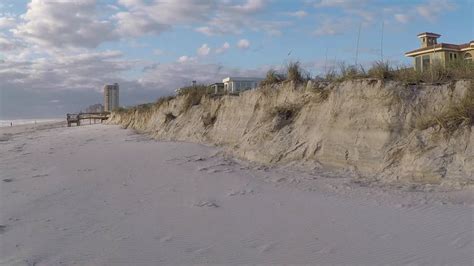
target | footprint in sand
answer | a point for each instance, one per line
(460, 242)
(207, 203)
(213, 171)
(165, 239)
(3, 228)
(199, 159)
(326, 250)
(8, 180)
(241, 192)
(386, 236)
(282, 179)
(266, 247)
(202, 251)
(35, 176)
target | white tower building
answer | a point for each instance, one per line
(111, 97)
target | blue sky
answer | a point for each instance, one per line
(61, 52)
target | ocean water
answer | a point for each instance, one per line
(16, 122)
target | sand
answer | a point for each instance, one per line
(101, 195)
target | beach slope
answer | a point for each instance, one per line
(101, 195)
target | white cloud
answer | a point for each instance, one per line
(204, 50)
(402, 18)
(158, 52)
(298, 14)
(250, 6)
(341, 3)
(332, 26)
(223, 48)
(205, 30)
(64, 24)
(138, 23)
(7, 22)
(229, 18)
(243, 44)
(10, 44)
(432, 9)
(154, 17)
(370, 12)
(65, 72)
(186, 59)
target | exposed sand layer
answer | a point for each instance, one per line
(100, 195)
(379, 130)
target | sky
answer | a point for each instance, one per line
(56, 55)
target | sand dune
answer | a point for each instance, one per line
(101, 195)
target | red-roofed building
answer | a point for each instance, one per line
(432, 52)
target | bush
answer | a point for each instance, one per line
(380, 70)
(437, 73)
(460, 69)
(455, 116)
(407, 75)
(296, 73)
(350, 72)
(330, 75)
(272, 77)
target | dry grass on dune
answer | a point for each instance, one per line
(294, 73)
(453, 117)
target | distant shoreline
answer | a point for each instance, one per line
(27, 121)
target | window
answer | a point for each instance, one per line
(450, 56)
(426, 62)
(418, 63)
(468, 56)
(455, 56)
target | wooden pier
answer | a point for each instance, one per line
(76, 118)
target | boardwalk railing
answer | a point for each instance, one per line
(76, 118)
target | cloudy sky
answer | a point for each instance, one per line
(55, 55)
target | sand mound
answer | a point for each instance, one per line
(379, 130)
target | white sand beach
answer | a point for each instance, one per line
(102, 195)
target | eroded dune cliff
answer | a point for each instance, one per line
(382, 130)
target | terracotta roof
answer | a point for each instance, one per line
(441, 45)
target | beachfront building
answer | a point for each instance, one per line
(236, 84)
(431, 52)
(111, 97)
(217, 87)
